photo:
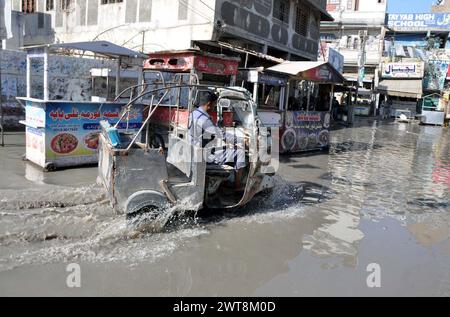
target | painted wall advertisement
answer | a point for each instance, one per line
(418, 21)
(306, 130)
(435, 74)
(402, 70)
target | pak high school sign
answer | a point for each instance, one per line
(418, 21)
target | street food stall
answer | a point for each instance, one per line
(63, 133)
(269, 92)
(306, 113)
(365, 103)
(433, 110)
(184, 67)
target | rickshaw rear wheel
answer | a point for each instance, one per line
(144, 207)
(144, 214)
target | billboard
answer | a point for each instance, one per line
(402, 70)
(332, 56)
(418, 21)
(435, 74)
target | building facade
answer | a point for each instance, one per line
(285, 29)
(358, 28)
(417, 52)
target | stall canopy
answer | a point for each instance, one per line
(313, 71)
(411, 88)
(104, 48)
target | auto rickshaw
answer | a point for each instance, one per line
(157, 167)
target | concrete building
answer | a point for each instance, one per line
(416, 60)
(282, 28)
(29, 28)
(441, 6)
(355, 22)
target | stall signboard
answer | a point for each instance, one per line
(184, 62)
(320, 74)
(435, 74)
(306, 130)
(216, 66)
(413, 22)
(271, 79)
(448, 72)
(35, 145)
(73, 129)
(402, 70)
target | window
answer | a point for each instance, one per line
(183, 9)
(111, 1)
(281, 10)
(49, 5)
(349, 41)
(28, 6)
(350, 5)
(301, 20)
(65, 4)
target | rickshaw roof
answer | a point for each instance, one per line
(314, 71)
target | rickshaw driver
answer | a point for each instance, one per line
(201, 132)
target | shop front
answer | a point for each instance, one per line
(401, 87)
(306, 114)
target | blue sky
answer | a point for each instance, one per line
(409, 6)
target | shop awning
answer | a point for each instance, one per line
(314, 71)
(411, 88)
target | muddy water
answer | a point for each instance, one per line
(380, 196)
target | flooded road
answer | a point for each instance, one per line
(381, 195)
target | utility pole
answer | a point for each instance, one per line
(362, 57)
(2, 126)
(143, 42)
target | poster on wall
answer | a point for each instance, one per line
(73, 129)
(435, 74)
